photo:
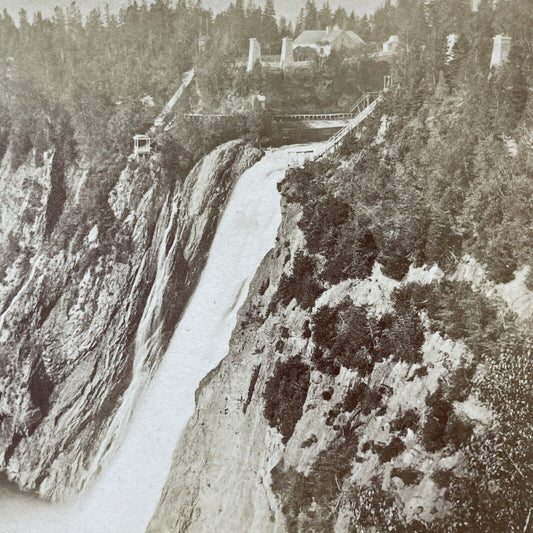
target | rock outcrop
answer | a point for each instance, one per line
(85, 312)
(234, 472)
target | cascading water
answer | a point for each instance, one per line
(126, 493)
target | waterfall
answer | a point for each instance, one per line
(127, 491)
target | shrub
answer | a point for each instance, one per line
(345, 332)
(327, 394)
(500, 260)
(442, 477)
(352, 254)
(456, 310)
(325, 326)
(469, 316)
(402, 336)
(417, 296)
(354, 396)
(348, 336)
(361, 395)
(307, 501)
(410, 475)
(321, 220)
(443, 242)
(285, 395)
(458, 432)
(390, 451)
(376, 509)
(394, 258)
(300, 283)
(353, 344)
(437, 414)
(404, 421)
(293, 490)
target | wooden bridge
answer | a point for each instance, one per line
(303, 117)
(356, 109)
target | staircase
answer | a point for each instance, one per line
(363, 107)
(185, 82)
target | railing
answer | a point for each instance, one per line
(186, 81)
(297, 158)
(315, 116)
(339, 136)
(210, 115)
(371, 100)
(363, 102)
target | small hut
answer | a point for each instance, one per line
(141, 145)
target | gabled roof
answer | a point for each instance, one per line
(322, 37)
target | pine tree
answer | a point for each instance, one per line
(270, 32)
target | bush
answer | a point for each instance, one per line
(353, 253)
(402, 336)
(410, 475)
(285, 395)
(321, 221)
(390, 451)
(442, 477)
(469, 316)
(345, 332)
(300, 284)
(458, 432)
(404, 421)
(293, 490)
(394, 258)
(307, 501)
(455, 310)
(361, 395)
(437, 414)
(324, 328)
(443, 242)
(347, 336)
(346, 241)
(500, 260)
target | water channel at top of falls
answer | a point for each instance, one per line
(126, 493)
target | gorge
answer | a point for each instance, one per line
(124, 495)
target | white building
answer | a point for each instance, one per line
(325, 41)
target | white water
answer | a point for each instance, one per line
(126, 494)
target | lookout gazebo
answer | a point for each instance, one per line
(141, 145)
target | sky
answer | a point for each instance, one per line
(287, 8)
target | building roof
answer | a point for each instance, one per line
(323, 37)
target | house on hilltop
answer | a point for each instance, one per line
(324, 41)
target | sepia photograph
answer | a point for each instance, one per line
(266, 266)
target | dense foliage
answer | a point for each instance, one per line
(285, 395)
(451, 175)
(349, 336)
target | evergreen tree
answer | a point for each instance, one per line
(270, 32)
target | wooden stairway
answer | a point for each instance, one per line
(363, 107)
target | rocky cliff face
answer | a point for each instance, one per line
(358, 454)
(85, 311)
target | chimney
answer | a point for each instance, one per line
(328, 30)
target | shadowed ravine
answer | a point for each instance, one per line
(126, 493)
